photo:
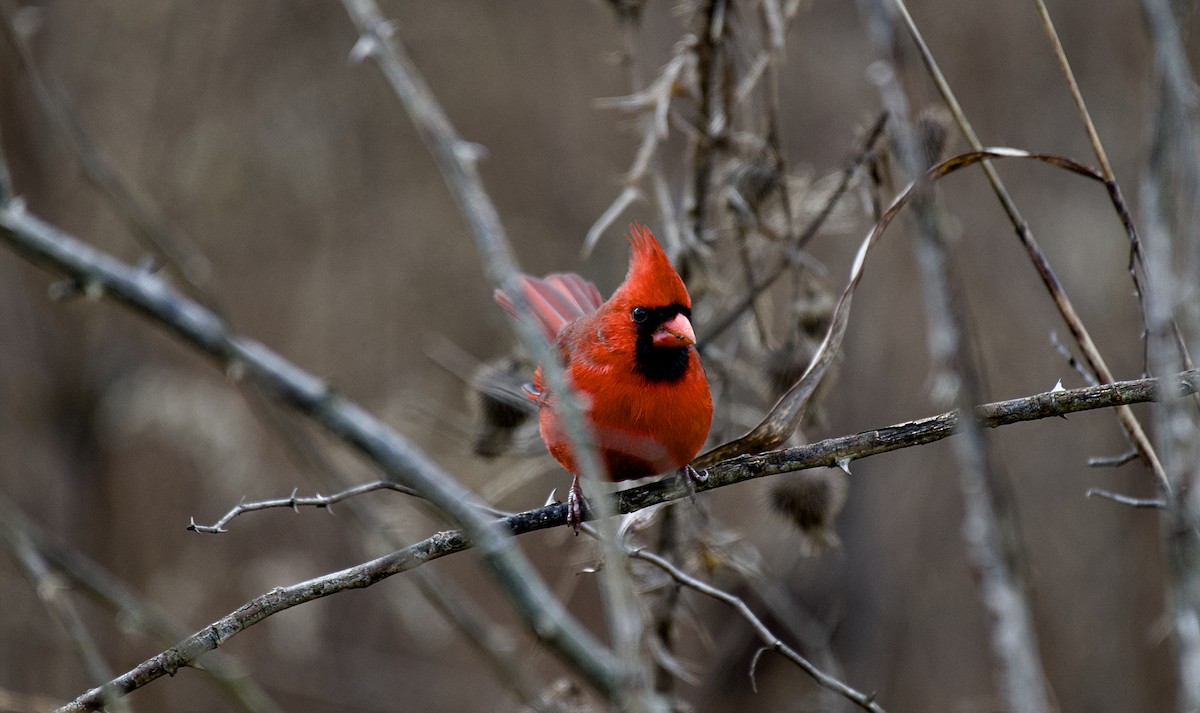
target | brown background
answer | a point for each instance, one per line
(332, 239)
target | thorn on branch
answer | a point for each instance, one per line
(365, 47)
(469, 151)
(295, 502)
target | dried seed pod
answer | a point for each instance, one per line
(811, 500)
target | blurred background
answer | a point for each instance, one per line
(311, 215)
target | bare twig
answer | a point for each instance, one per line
(1087, 376)
(771, 641)
(785, 415)
(719, 325)
(1155, 503)
(293, 502)
(712, 120)
(1113, 461)
(1136, 254)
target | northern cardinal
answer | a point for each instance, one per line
(632, 363)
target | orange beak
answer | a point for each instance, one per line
(675, 332)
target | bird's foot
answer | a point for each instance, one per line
(690, 477)
(576, 506)
(695, 476)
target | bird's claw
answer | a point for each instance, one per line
(575, 506)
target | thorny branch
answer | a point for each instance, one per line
(295, 503)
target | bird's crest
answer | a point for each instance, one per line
(652, 280)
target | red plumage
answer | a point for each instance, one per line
(631, 361)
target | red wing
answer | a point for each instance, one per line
(585, 295)
(554, 302)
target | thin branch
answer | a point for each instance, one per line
(783, 418)
(1136, 254)
(293, 502)
(1169, 198)
(712, 120)
(771, 641)
(1087, 376)
(1113, 461)
(1154, 503)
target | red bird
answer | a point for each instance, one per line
(632, 363)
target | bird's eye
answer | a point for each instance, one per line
(639, 314)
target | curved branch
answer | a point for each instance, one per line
(771, 642)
